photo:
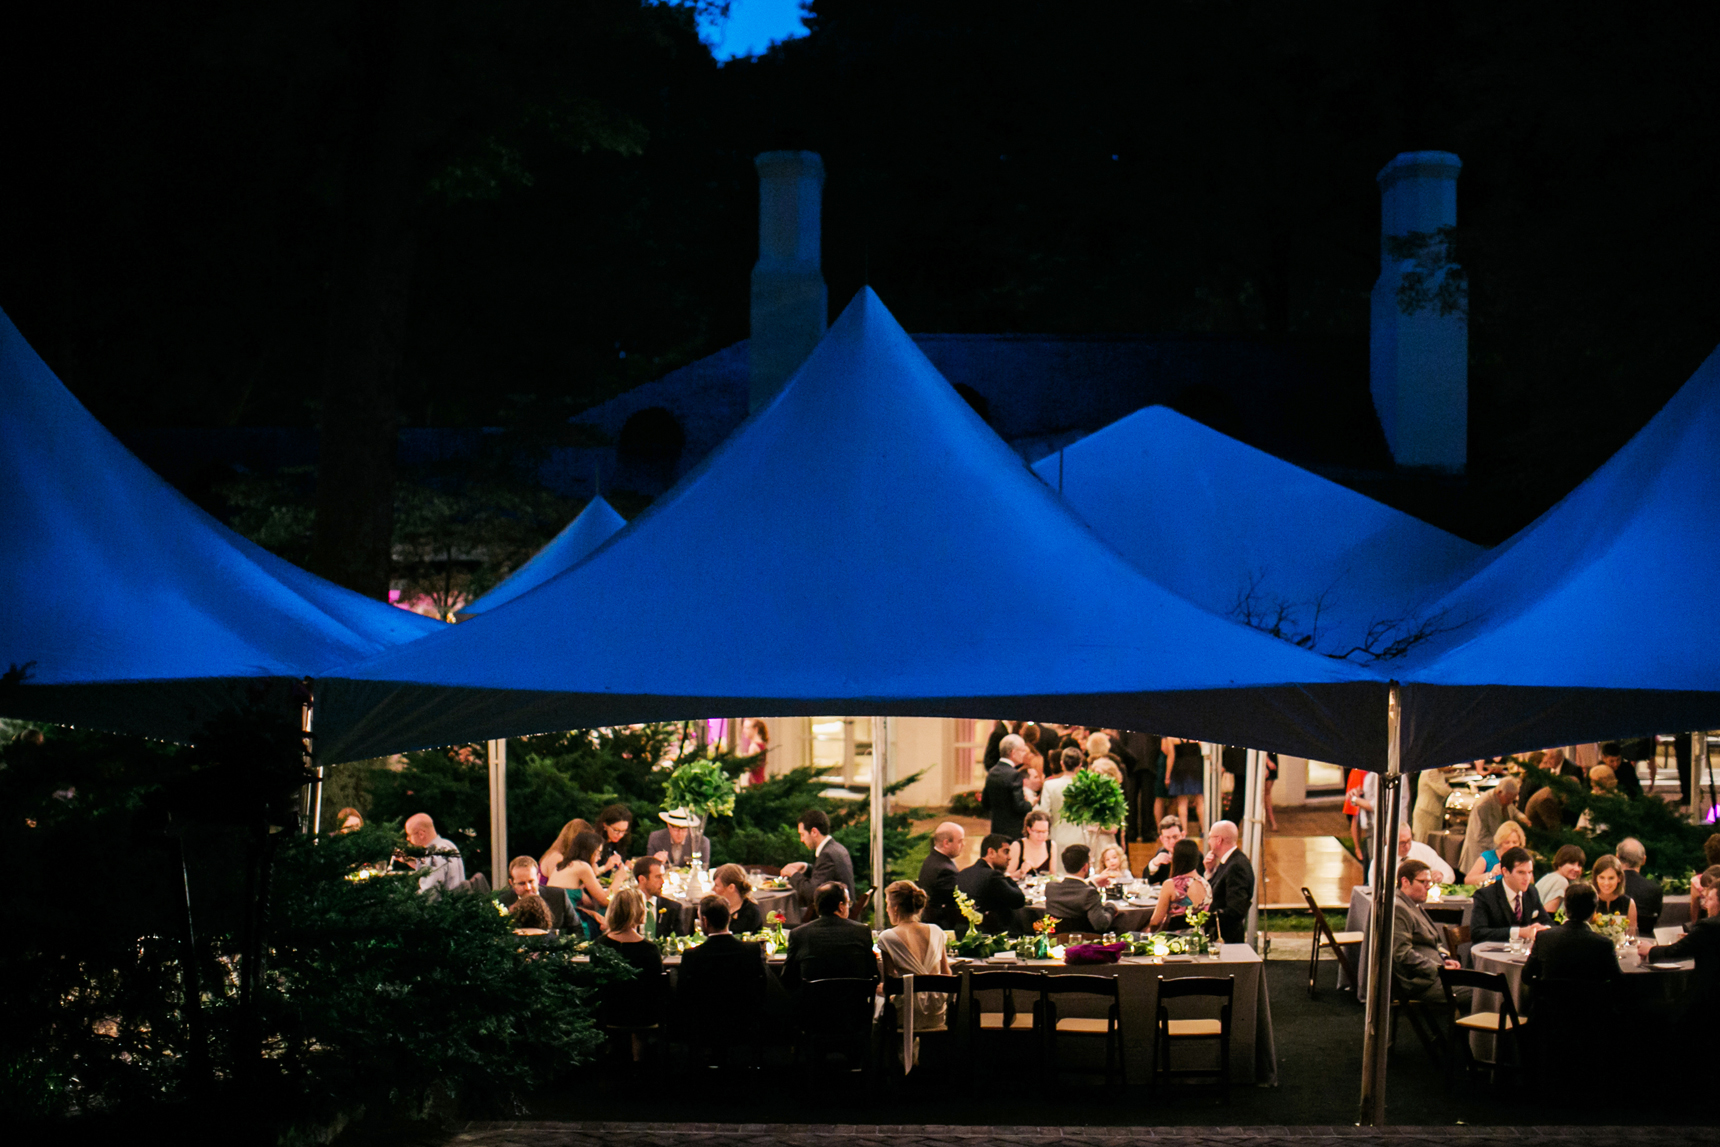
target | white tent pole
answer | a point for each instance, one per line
(1376, 1035)
(1255, 817)
(313, 792)
(498, 755)
(880, 764)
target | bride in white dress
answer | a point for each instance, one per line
(909, 946)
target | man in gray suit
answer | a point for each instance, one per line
(672, 845)
(1073, 901)
(1417, 952)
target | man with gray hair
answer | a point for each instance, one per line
(1231, 877)
(1645, 892)
(938, 876)
(1489, 813)
(1002, 796)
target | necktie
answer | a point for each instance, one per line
(1517, 905)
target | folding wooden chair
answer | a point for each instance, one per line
(1110, 1026)
(1504, 1025)
(1337, 941)
(1186, 1030)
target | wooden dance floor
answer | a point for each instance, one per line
(1317, 863)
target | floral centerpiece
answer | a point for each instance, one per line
(700, 786)
(975, 944)
(1094, 799)
(1612, 925)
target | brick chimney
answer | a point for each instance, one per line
(789, 304)
(1419, 361)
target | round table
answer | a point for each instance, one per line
(1643, 984)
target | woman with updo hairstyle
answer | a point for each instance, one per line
(911, 946)
(731, 883)
(1486, 870)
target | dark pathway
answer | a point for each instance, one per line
(798, 1135)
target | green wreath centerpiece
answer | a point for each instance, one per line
(1095, 799)
(702, 788)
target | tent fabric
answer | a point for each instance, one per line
(1598, 619)
(1256, 538)
(127, 607)
(590, 528)
(901, 560)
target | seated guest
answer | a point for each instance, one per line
(440, 869)
(1417, 952)
(1073, 902)
(530, 915)
(662, 915)
(1612, 757)
(938, 875)
(349, 820)
(1643, 892)
(1159, 866)
(1412, 849)
(1567, 867)
(722, 983)
(523, 882)
(637, 1002)
(1509, 907)
(1032, 853)
(578, 874)
(1611, 898)
(1113, 865)
(1571, 951)
(997, 897)
(830, 860)
(1701, 1007)
(556, 855)
(1485, 817)
(674, 845)
(831, 946)
(1485, 869)
(614, 824)
(731, 883)
(1711, 859)
(909, 946)
(1232, 879)
(1700, 885)
(1184, 890)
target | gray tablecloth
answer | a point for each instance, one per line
(1642, 985)
(1362, 910)
(783, 900)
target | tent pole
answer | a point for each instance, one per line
(1254, 832)
(498, 755)
(880, 763)
(313, 791)
(1376, 1036)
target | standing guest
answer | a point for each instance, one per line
(1418, 955)
(349, 820)
(1572, 951)
(831, 946)
(1074, 900)
(662, 916)
(908, 946)
(1509, 908)
(556, 855)
(1489, 813)
(1113, 865)
(1546, 808)
(674, 845)
(830, 860)
(1232, 879)
(614, 822)
(998, 898)
(637, 1002)
(1366, 797)
(1032, 853)
(1063, 834)
(1643, 892)
(1611, 898)
(1185, 890)
(1567, 869)
(440, 869)
(994, 743)
(523, 881)
(1352, 787)
(1612, 756)
(722, 982)
(938, 875)
(1411, 849)
(755, 741)
(1432, 789)
(1002, 796)
(578, 874)
(1159, 867)
(730, 882)
(1486, 866)
(1185, 777)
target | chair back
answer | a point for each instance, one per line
(842, 1002)
(1456, 936)
(949, 985)
(1070, 985)
(1321, 927)
(1494, 982)
(1220, 987)
(861, 903)
(1008, 983)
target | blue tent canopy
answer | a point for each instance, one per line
(1595, 621)
(128, 608)
(1256, 538)
(902, 562)
(590, 528)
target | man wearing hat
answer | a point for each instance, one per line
(673, 845)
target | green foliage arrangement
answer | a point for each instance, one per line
(701, 786)
(1673, 841)
(1094, 798)
(966, 804)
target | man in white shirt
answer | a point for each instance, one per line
(440, 869)
(1410, 849)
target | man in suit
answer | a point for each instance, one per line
(1612, 756)
(938, 876)
(1645, 892)
(1074, 902)
(722, 982)
(1002, 796)
(1232, 879)
(830, 861)
(1701, 1008)
(1510, 907)
(998, 898)
(673, 845)
(662, 915)
(1489, 813)
(523, 881)
(1571, 951)
(832, 945)
(1417, 951)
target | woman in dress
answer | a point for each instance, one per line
(755, 740)
(731, 883)
(1485, 870)
(558, 852)
(639, 1002)
(1610, 897)
(1032, 853)
(1185, 891)
(910, 946)
(1185, 777)
(614, 822)
(579, 878)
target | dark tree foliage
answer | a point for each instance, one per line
(1673, 842)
